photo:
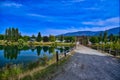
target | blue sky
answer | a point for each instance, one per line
(58, 16)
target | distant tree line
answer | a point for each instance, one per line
(107, 43)
(13, 34)
(104, 38)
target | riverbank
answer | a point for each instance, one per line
(10, 43)
(43, 69)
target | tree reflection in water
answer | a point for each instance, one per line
(45, 48)
(51, 49)
(39, 48)
(11, 52)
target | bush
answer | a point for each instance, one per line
(20, 41)
(11, 72)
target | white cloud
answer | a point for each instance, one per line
(78, 0)
(108, 22)
(35, 15)
(11, 4)
(72, 1)
(91, 8)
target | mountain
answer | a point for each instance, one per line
(114, 31)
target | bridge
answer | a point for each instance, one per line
(89, 64)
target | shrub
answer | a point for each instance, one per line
(20, 41)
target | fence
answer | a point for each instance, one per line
(64, 54)
(108, 50)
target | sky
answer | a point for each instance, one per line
(58, 16)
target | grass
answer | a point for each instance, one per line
(2, 42)
(10, 72)
(35, 71)
(48, 72)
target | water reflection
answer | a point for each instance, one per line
(26, 54)
(52, 50)
(45, 48)
(11, 52)
(39, 48)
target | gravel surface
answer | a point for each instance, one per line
(89, 64)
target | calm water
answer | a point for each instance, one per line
(25, 55)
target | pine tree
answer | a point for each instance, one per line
(39, 37)
(105, 37)
(100, 37)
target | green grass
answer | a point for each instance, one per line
(46, 73)
(12, 72)
(2, 42)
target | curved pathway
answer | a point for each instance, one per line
(89, 64)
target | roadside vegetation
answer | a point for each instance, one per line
(108, 43)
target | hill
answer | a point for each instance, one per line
(114, 31)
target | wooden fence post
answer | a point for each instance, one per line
(65, 54)
(110, 51)
(57, 56)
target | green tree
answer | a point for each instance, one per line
(9, 34)
(1, 37)
(16, 34)
(94, 39)
(6, 34)
(52, 38)
(61, 38)
(13, 34)
(39, 38)
(20, 41)
(100, 37)
(26, 38)
(105, 37)
(69, 39)
(45, 39)
(111, 37)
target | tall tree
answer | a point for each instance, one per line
(111, 37)
(105, 37)
(61, 38)
(13, 34)
(1, 37)
(9, 34)
(6, 34)
(52, 38)
(39, 38)
(94, 39)
(45, 39)
(100, 37)
(16, 34)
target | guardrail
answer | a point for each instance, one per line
(108, 50)
(64, 54)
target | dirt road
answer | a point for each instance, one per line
(89, 64)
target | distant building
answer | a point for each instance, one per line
(82, 40)
(32, 39)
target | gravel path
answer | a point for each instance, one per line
(89, 64)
